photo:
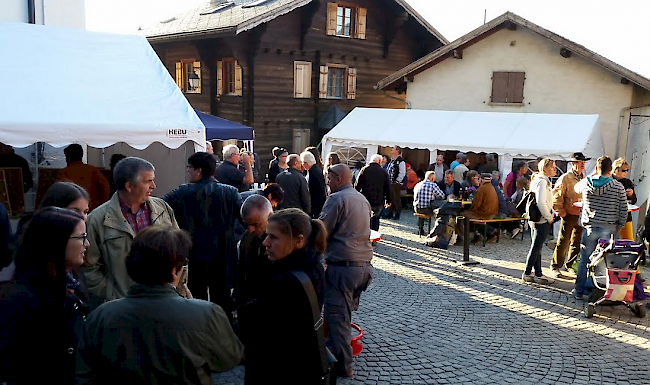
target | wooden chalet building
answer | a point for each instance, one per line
(281, 65)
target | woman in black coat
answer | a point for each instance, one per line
(39, 309)
(282, 343)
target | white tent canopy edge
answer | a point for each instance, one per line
(510, 135)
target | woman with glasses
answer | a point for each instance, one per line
(621, 170)
(39, 312)
(281, 323)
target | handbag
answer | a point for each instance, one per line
(327, 358)
(528, 206)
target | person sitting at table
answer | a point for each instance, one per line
(449, 186)
(485, 205)
(423, 194)
(471, 182)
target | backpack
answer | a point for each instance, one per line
(527, 206)
(441, 235)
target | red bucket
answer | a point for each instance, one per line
(355, 341)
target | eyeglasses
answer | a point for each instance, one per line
(626, 170)
(329, 170)
(83, 237)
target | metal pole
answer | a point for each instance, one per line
(465, 238)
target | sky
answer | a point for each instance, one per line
(617, 30)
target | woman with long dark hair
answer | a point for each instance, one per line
(38, 312)
(282, 340)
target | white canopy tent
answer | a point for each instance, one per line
(64, 86)
(510, 135)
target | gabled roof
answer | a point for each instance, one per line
(241, 15)
(507, 20)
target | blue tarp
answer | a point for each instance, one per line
(222, 129)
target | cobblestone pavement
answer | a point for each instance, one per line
(430, 320)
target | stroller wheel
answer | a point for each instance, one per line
(638, 310)
(589, 310)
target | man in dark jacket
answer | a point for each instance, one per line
(208, 210)
(153, 335)
(449, 186)
(396, 171)
(315, 182)
(373, 182)
(296, 191)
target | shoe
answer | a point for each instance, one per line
(556, 273)
(528, 278)
(477, 238)
(580, 297)
(544, 280)
(346, 374)
(493, 236)
(420, 232)
(567, 271)
(516, 232)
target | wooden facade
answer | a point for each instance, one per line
(273, 61)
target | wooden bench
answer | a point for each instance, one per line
(426, 218)
(498, 221)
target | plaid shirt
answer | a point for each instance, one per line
(138, 221)
(424, 192)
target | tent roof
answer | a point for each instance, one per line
(75, 86)
(523, 134)
(219, 128)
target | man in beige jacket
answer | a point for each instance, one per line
(113, 225)
(564, 196)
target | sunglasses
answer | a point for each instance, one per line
(83, 237)
(626, 170)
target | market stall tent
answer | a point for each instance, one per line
(64, 86)
(510, 135)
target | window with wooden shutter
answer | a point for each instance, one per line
(361, 23)
(331, 18)
(322, 83)
(352, 83)
(219, 78)
(508, 87)
(188, 76)
(301, 79)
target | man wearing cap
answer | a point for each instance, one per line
(564, 196)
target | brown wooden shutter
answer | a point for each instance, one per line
(352, 83)
(499, 87)
(238, 79)
(516, 87)
(331, 18)
(322, 84)
(179, 75)
(219, 78)
(301, 79)
(361, 23)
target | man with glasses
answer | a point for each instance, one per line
(208, 210)
(229, 172)
(564, 196)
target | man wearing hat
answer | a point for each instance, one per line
(564, 196)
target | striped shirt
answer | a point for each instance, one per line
(424, 192)
(604, 206)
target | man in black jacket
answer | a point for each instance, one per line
(296, 191)
(373, 182)
(315, 182)
(208, 210)
(449, 186)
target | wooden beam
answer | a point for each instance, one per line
(625, 81)
(511, 26)
(457, 54)
(565, 53)
(392, 25)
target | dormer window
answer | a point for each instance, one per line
(346, 20)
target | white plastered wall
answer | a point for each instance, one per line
(553, 84)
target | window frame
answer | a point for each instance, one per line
(353, 19)
(226, 76)
(185, 65)
(343, 69)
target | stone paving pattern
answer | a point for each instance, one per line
(431, 320)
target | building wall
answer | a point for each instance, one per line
(59, 13)
(553, 84)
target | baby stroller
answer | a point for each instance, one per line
(612, 269)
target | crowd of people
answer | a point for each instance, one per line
(129, 286)
(168, 290)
